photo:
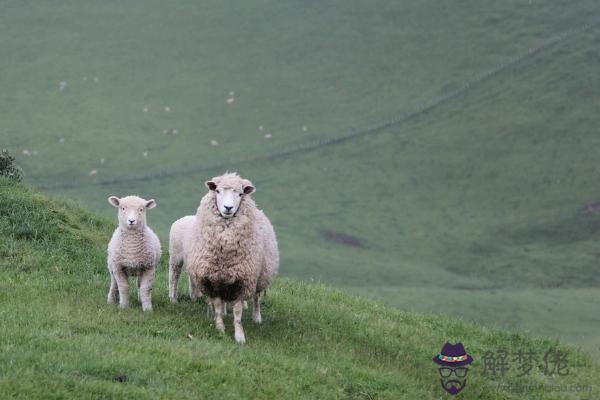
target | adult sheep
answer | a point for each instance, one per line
(180, 240)
(134, 249)
(230, 253)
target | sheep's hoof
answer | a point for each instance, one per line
(220, 327)
(240, 337)
(173, 300)
(147, 309)
(112, 298)
(257, 318)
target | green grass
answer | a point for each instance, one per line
(61, 340)
(480, 197)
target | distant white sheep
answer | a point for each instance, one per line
(229, 249)
(134, 249)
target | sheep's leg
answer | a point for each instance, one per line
(113, 292)
(245, 307)
(256, 316)
(219, 305)
(195, 292)
(174, 274)
(146, 280)
(238, 308)
(210, 309)
(123, 286)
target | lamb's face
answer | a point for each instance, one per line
(132, 210)
(229, 194)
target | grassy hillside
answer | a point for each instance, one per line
(474, 208)
(61, 340)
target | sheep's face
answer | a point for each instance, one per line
(132, 210)
(229, 194)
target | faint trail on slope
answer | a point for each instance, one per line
(371, 129)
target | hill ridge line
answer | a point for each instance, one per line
(371, 129)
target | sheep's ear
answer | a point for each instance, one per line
(247, 187)
(114, 201)
(150, 204)
(211, 185)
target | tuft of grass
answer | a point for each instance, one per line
(61, 340)
(8, 167)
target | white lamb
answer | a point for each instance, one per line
(229, 249)
(179, 244)
(134, 249)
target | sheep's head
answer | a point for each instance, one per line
(229, 190)
(132, 210)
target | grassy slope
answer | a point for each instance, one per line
(479, 200)
(60, 339)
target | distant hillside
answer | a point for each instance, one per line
(61, 340)
(477, 207)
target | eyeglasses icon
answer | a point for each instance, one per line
(460, 372)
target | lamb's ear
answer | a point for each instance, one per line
(211, 185)
(247, 186)
(150, 204)
(114, 201)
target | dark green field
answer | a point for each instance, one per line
(474, 207)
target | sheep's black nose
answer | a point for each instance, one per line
(228, 208)
(131, 221)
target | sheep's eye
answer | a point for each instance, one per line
(141, 209)
(240, 195)
(217, 191)
(123, 208)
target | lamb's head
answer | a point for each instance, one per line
(132, 210)
(229, 190)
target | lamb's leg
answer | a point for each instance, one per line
(256, 316)
(113, 292)
(238, 308)
(174, 274)
(123, 286)
(146, 280)
(218, 306)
